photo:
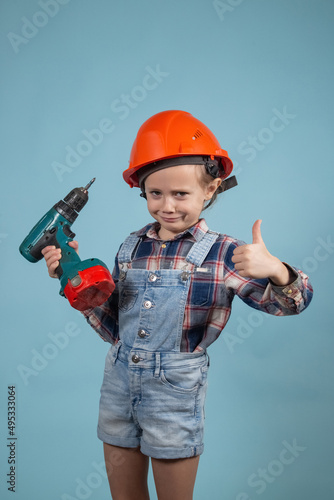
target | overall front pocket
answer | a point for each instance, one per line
(185, 379)
(127, 299)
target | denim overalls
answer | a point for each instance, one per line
(152, 394)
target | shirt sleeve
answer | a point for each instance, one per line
(263, 294)
(104, 319)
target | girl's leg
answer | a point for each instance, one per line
(127, 470)
(175, 478)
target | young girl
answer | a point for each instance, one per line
(175, 282)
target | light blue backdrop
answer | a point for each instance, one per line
(260, 75)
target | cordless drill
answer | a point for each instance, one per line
(85, 283)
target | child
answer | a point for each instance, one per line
(175, 282)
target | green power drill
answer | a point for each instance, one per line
(85, 283)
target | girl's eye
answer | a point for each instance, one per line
(178, 194)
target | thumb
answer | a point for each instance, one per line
(256, 231)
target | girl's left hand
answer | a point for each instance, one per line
(254, 260)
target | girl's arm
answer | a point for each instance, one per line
(264, 282)
(104, 319)
(254, 261)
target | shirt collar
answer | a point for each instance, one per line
(196, 232)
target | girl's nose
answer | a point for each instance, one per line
(168, 204)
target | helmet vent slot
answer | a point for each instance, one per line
(197, 135)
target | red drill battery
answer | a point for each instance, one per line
(89, 288)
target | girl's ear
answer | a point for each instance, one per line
(212, 188)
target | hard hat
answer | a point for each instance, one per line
(176, 135)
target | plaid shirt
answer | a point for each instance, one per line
(211, 292)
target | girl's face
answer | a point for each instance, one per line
(175, 198)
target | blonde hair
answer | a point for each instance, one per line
(205, 180)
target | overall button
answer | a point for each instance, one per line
(135, 358)
(142, 334)
(153, 277)
(185, 275)
(147, 304)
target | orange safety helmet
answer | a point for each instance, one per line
(176, 134)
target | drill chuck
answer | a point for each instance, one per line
(73, 202)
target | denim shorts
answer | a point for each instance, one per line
(154, 400)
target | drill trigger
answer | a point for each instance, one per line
(67, 231)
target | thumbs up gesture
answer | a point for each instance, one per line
(254, 260)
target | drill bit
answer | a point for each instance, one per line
(89, 184)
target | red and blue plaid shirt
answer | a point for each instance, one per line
(208, 306)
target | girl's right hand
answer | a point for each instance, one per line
(52, 256)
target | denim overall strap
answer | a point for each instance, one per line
(126, 250)
(201, 248)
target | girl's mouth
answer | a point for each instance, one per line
(170, 219)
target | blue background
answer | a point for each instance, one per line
(234, 65)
